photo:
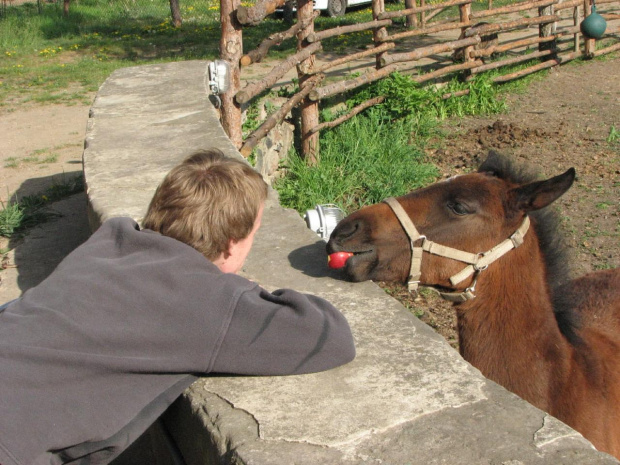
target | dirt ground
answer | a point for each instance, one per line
(41, 146)
(562, 120)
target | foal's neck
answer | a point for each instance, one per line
(509, 331)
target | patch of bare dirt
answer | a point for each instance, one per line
(562, 121)
(41, 146)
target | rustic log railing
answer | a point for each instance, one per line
(546, 25)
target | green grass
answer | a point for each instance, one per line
(45, 57)
(48, 58)
(362, 161)
(27, 212)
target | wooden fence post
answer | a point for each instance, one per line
(379, 34)
(309, 110)
(576, 37)
(590, 44)
(231, 49)
(546, 29)
(411, 21)
(465, 17)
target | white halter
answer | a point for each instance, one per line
(477, 262)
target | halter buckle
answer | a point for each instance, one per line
(480, 268)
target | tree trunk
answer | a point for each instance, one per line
(175, 9)
(65, 8)
(411, 20)
(309, 109)
(231, 49)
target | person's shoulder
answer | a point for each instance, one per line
(120, 222)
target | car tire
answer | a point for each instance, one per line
(336, 7)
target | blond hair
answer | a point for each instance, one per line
(206, 201)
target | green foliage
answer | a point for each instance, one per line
(404, 97)
(46, 57)
(362, 161)
(614, 135)
(17, 216)
(380, 153)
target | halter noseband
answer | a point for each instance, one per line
(477, 262)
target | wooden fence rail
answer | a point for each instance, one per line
(463, 46)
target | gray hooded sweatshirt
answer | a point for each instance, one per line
(95, 354)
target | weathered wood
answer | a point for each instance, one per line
(253, 15)
(356, 56)
(252, 89)
(464, 17)
(336, 31)
(423, 31)
(309, 110)
(261, 51)
(447, 70)
(546, 29)
(432, 14)
(354, 111)
(512, 45)
(511, 61)
(604, 51)
(458, 93)
(231, 48)
(421, 9)
(378, 7)
(412, 19)
(431, 50)
(490, 28)
(278, 116)
(568, 4)
(343, 86)
(520, 6)
(558, 60)
(577, 35)
(590, 44)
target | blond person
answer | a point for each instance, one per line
(94, 354)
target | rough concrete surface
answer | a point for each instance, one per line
(408, 397)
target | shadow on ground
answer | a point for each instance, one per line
(34, 256)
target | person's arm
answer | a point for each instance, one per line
(282, 333)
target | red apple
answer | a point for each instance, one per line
(338, 259)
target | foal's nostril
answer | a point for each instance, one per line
(345, 230)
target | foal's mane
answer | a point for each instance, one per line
(547, 225)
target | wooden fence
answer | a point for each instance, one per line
(544, 31)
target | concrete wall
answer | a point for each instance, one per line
(408, 397)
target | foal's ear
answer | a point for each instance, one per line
(539, 194)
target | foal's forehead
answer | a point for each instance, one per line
(470, 179)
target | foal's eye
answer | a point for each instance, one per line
(458, 208)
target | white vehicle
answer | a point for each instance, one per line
(331, 7)
(337, 7)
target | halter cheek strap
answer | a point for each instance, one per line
(476, 262)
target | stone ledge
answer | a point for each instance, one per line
(408, 397)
